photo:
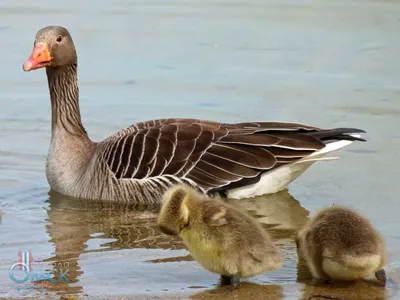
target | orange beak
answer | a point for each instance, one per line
(39, 58)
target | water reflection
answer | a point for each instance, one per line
(279, 211)
(81, 227)
(247, 290)
(353, 290)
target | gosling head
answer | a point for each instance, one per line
(174, 213)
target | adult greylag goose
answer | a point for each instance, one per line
(139, 163)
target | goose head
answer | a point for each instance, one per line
(53, 47)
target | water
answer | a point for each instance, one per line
(317, 62)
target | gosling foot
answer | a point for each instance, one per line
(321, 281)
(381, 276)
(325, 297)
(233, 281)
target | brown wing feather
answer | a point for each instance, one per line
(229, 166)
(283, 152)
(217, 172)
(281, 126)
(213, 155)
(251, 157)
(299, 141)
(165, 152)
(253, 139)
(197, 174)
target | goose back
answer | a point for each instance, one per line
(145, 159)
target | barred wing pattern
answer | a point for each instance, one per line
(215, 156)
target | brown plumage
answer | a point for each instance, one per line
(340, 244)
(220, 237)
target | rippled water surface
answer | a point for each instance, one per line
(324, 63)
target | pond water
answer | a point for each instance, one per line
(317, 62)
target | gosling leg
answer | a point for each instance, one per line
(381, 276)
(321, 281)
(233, 281)
(225, 280)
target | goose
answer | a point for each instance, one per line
(220, 237)
(138, 163)
(339, 244)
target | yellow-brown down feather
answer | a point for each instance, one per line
(220, 237)
(338, 243)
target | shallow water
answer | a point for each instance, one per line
(322, 63)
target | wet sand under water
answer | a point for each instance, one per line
(323, 63)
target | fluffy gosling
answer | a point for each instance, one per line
(220, 237)
(339, 244)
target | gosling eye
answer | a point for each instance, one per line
(187, 224)
(59, 38)
(183, 225)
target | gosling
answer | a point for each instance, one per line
(221, 238)
(339, 244)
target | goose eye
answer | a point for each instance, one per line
(59, 38)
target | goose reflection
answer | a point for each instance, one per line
(127, 236)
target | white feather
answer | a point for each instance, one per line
(278, 179)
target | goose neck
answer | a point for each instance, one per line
(64, 96)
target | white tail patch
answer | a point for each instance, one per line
(278, 179)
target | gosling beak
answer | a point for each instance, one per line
(169, 230)
(39, 58)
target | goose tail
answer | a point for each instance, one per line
(277, 179)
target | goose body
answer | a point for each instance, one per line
(141, 161)
(340, 244)
(220, 237)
